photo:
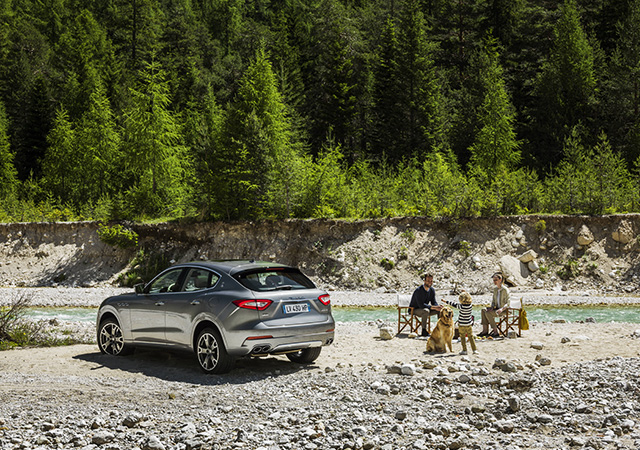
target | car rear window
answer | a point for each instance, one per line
(274, 279)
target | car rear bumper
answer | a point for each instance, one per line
(262, 344)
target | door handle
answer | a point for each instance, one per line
(159, 303)
(195, 302)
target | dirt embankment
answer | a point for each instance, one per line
(569, 252)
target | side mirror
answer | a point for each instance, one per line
(139, 288)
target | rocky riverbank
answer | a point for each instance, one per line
(560, 386)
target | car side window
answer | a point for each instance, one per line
(167, 282)
(198, 279)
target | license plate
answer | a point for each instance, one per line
(296, 308)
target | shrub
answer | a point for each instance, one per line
(118, 236)
(541, 226)
(387, 263)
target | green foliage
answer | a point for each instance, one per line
(569, 270)
(8, 173)
(118, 236)
(260, 110)
(541, 226)
(387, 263)
(16, 330)
(144, 266)
(464, 248)
(409, 235)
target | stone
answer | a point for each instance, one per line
(533, 266)
(513, 270)
(545, 418)
(624, 233)
(132, 419)
(408, 369)
(464, 378)
(386, 333)
(514, 404)
(400, 415)
(585, 237)
(528, 256)
(153, 443)
(539, 284)
(504, 426)
(394, 369)
(565, 339)
(102, 437)
(537, 345)
(544, 361)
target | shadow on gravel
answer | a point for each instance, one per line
(183, 368)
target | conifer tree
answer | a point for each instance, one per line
(388, 109)
(496, 147)
(8, 172)
(565, 88)
(98, 137)
(158, 163)
(259, 163)
(60, 159)
(621, 97)
(419, 87)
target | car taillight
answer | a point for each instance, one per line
(259, 305)
(325, 299)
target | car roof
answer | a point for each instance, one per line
(233, 266)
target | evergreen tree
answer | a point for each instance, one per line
(420, 92)
(204, 133)
(8, 174)
(259, 163)
(621, 89)
(85, 58)
(331, 100)
(566, 87)
(388, 109)
(61, 159)
(100, 161)
(158, 164)
(496, 147)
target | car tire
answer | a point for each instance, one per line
(111, 340)
(211, 353)
(305, 356)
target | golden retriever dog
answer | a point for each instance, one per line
(442, 334)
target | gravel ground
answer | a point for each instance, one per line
(560, 386)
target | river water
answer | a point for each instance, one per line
(610, 313)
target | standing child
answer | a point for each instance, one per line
(465, 321)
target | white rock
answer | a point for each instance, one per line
(528, 256)
(533, 266)
(408, 369)
(624, 233)
(585, 237)
(537, 345)
(386, 333)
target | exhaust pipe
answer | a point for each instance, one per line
(260, 349)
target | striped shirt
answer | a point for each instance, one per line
(465, 319)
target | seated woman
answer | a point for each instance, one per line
(498, 306)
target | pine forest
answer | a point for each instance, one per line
(269, 109)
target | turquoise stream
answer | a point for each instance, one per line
(612, 313)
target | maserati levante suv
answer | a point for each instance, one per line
(221, 310)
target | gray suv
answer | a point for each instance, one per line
(221, 310)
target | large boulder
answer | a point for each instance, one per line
(513, 270)
(585, 237)
(624, 233)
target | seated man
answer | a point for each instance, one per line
(498, 306)
(423, 301)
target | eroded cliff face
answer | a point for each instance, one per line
(386, 255)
